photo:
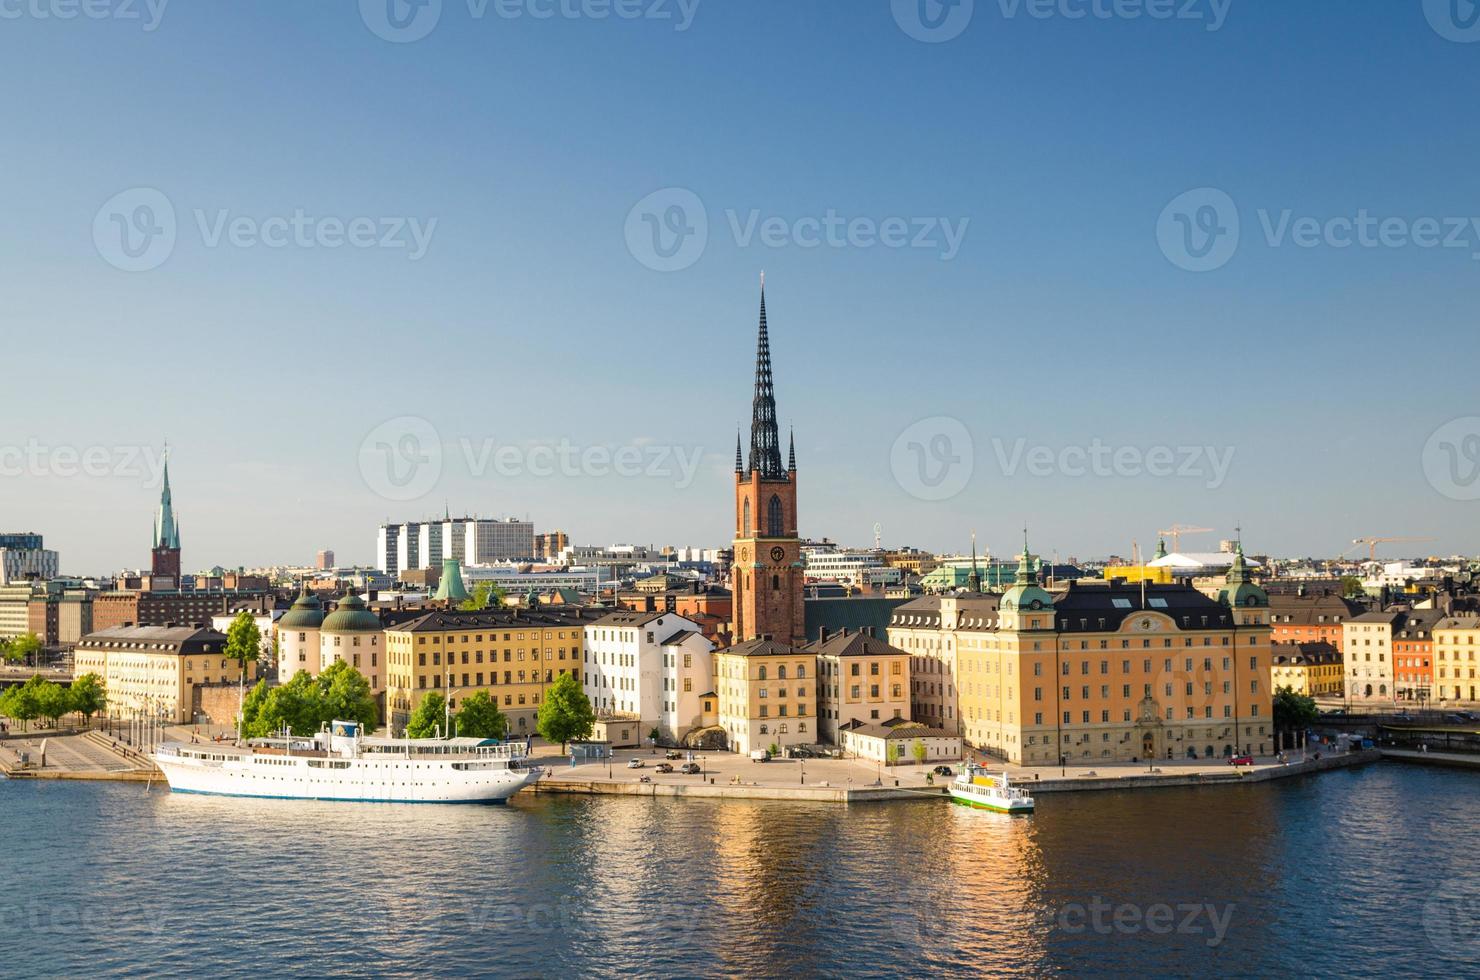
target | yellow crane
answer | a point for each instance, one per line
(1373, 542)
(1176, 531)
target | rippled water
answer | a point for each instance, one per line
(1367, 872)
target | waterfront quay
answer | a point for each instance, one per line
(731, 776)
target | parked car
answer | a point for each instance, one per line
(672, 755)
(1241, 760)
(1456, 719)
(760, 755)
(634, 763)
(943, 771)
(662, 767)
(689, 768)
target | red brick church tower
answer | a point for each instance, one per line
(766, 577)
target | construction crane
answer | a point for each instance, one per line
(1372, 544)
(1176, 531)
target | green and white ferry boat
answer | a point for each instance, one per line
(977, 787)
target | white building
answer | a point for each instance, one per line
(20, 564)
(516, 581)
(221, 623)
(472, 541)
(875, 742)
(860, 568)
(651, 666)
(297, 632)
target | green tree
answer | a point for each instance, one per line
(891, 753)
(88, 696)
(429, 717)
(919, 751)
(480, 717)
(25, 648)
(52, 701)
(294, 704)
(7, 651)
(485, 594)
(252, 710)
(1351, 587)
(22, 703)
(565, 715)
(1293, 712)
(244, 645)
(344, 695)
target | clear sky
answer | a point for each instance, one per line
(517, 280)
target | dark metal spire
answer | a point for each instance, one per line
(765, 440)
(791, 456)
(739, 462)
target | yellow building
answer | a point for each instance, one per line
(860, 678)
(930, 629)
(513, 654)
(1311, 669)
(766, 694)
(1456, 642)
(157, 670)
(1116, 672)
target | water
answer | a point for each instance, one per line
(1363, 872)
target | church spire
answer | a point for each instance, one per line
(739, 463)
(765, 440)
(166, 531)
(974, 582)
(791, 456)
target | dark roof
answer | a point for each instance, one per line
(181, 640)
(680, 636)
(444, 620)
(853, 644)
(1100, 607)
(1308, 610)
(764, 647)
(888, 732)
(855, 613)
(630, 617)
(1296, 654)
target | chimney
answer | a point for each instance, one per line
(822, 634)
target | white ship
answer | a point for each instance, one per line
(977, 787)
(345, 764)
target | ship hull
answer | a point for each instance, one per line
(358, 781)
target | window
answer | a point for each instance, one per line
(774, 523)
(745, 533)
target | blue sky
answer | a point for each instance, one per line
(523, 148)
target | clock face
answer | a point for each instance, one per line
(778, 553)
(744, 554)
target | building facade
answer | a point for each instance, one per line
(158, 671)
(1372, 644)
(22, 558)
(512, 654)
(651, 667)
(766, 695)
(1119, 672)
(1456, 640)
(860, 678)
(1310, 668)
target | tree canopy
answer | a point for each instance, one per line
(21, 649)
(485, 594)
(1293, 712)
(565, 715)
(305, 704)
(40, 698)
(480, 717)
(243, 640)
(429, 717)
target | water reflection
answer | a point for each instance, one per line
(1320, 875)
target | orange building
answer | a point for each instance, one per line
(1314, 618)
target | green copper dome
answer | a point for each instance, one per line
(352, 616)
(306, 613)
(450, 588)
